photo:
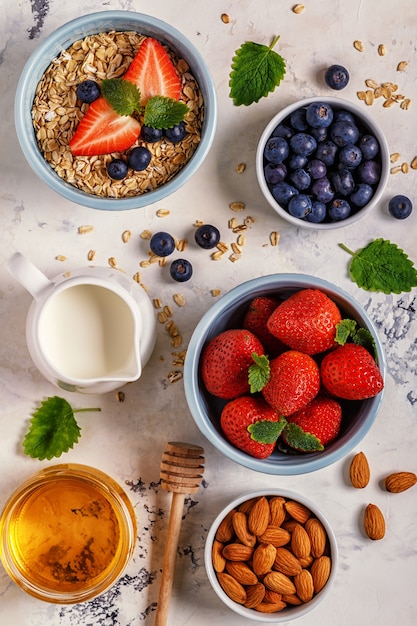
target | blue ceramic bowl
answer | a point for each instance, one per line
(228, 312)
(61, 39)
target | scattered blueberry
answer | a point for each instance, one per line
(276, 150)
(150, 135)
(303, 144)
(336, 77)
(362, 194)
(339, 210)
(400, 207)
(207, 236)
(319, 115)
(88, 91)
(176, 133)
(299, 205)
(162, 244)
(117, 169)
(275, 173)
(139, 158)
(181, 270)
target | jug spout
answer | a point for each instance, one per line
(28, 275)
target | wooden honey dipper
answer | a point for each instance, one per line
(181, 472)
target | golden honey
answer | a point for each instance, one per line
(67, 533)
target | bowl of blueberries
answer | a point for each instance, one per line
(322, 163)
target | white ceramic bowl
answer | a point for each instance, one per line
(290, 612)
(228, 312)
(366, 121)
(60, 40)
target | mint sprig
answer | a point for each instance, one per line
(256, 71)
(162, 112)
(53, 429)
(123, 96)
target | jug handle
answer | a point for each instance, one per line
(28, 275)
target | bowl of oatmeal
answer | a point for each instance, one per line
(48, 110)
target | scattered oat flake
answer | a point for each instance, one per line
(404, 168)
(91, 255)
(401, 66)
(274, 238)
(216, 256)
(112, 262)
(358, 45)
(61, 257)
(225, 18)
(162, 212)
(175, 376)
(382, 50)
(361, 95)
(394, 157)
(371, 83)
(120, 396)
(369, 97)
(405, 104)
(241, 240)
(414, 163)
(237, 206)
(298, 8)
(234, 257)
(396, 169)
(240, 167)
(215, 292)
(178, 299)
(126, 235)
(145, 234)
(85, 229)
(157, 303)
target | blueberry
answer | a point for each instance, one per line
(336, 77)
(207, 236)
(276, 150)
(162, 244)
(284, 131)
(150, 135)
(275, 173)
(343, 182)
(370, 172)
(303, 144)
(300, 179)
(181, 270)
(400, 207)
(299, 205)
(317, 213)
(319, 115)
(296, 161)
(322, 190)
(139, 158)
(362, 194)
(283, 192)
(176, 133)
(316, 168)
(350, 156)
(344, 133)
(327, 152)
(298, 120)
(339, 210)
(369, 146)
(117, 169)
(88, 91)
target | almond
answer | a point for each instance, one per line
(276, 535)
(225, 530)
(237, 552)
(232, 588)
(359, 471)
(300, 542)
(259, 515)
(272, 596)
(320, 572)
(292, 599)
(263, 558)
(240, 525)
(266, 607)
(279, 582)
(254, 595)
(219, 562)
(298, 511)
(400, 481)
(304, 585)
(286, 563)
(317, 535)
(242, 572)
(278, 511)
(374, 522)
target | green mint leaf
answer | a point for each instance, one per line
(162, 112)
(297, 438)
(122, 95)
(266, 431)
(53, 429)
(256, 71)
(259, 372)
(344, 330)
(382, 266)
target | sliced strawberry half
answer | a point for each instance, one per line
(103, 131)
(153, 73)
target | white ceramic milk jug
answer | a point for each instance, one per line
(90, 330)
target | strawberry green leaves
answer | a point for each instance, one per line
(53, 429)
(382, 266)
(266, 431)
(347, 330)
(297, 438)
(258, 374)
(256, 71)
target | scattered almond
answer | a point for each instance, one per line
(359, 471)
(400, 481)
(374, 522)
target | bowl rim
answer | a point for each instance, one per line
(78, 28)
(296, 611)
(299, 464)
(365, 118)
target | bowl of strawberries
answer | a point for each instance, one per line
(285, 374)
(115, 110)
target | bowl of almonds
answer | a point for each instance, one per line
(115, 110)
(271, 556)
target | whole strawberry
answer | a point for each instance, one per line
(350, 372)
(258, 312)
(250, 424)
(225, 362)
(294, 381)
(306, 321)
(314, 426)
